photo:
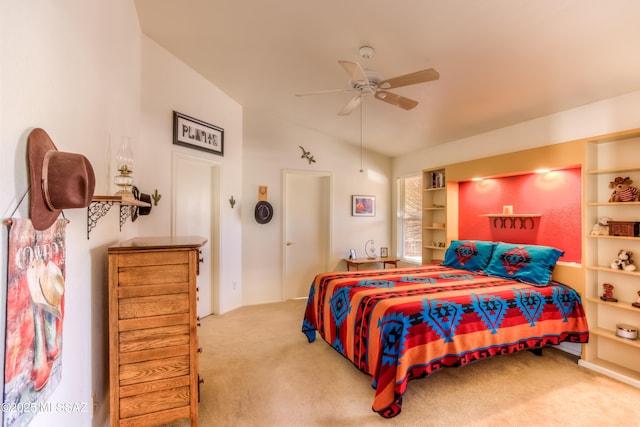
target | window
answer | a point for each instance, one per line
(410, 218)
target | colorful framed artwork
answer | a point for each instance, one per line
(34, 314)
(363, 205)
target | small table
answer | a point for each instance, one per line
(359, 261)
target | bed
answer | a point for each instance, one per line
(405, 323)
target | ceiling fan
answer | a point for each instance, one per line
(370, 83)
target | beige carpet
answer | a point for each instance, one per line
(259, 370)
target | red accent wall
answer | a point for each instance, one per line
(555, 195)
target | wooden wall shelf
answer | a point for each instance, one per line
(100, 205)
(509, 220)
(511, 215)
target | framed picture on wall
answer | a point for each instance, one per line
(352, 254)
(384, 252)
(363, 205)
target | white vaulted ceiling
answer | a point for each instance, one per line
(501, 62)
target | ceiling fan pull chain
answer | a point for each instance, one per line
(361, 108)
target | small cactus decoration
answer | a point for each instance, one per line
(156, 197)
(232, 202)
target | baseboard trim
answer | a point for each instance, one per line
(608, 372)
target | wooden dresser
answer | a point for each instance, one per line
(153, 341)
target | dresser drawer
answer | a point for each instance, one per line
(153, 402)
(158, 305)
(153, 338)
(142, 258)
(153, 275)
(152, 370)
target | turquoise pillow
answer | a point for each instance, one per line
(526, 263)
(471, 255)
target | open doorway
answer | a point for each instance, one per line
(196, 212)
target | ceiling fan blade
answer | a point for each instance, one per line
(393, 99)
(410, 79)
(351, 105)
(320, 92)
(355, 71)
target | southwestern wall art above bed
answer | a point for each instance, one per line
(485, 299)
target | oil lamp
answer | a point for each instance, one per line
(124, 162)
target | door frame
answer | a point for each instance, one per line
(213, 239)
(319, 174)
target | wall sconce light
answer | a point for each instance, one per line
(124, 163)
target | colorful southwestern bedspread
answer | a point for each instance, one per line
(406, 323)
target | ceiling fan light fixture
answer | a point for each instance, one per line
(370, 83)
(366, 52)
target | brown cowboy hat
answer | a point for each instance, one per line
(59, 180)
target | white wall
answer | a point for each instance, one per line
(610, 115)
(168, 85)
(72, 68)
(271, 146)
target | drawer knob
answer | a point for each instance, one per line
(199, 349)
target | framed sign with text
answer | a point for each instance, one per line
(194, 133)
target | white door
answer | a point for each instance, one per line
(307, 230)
(195, 185)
